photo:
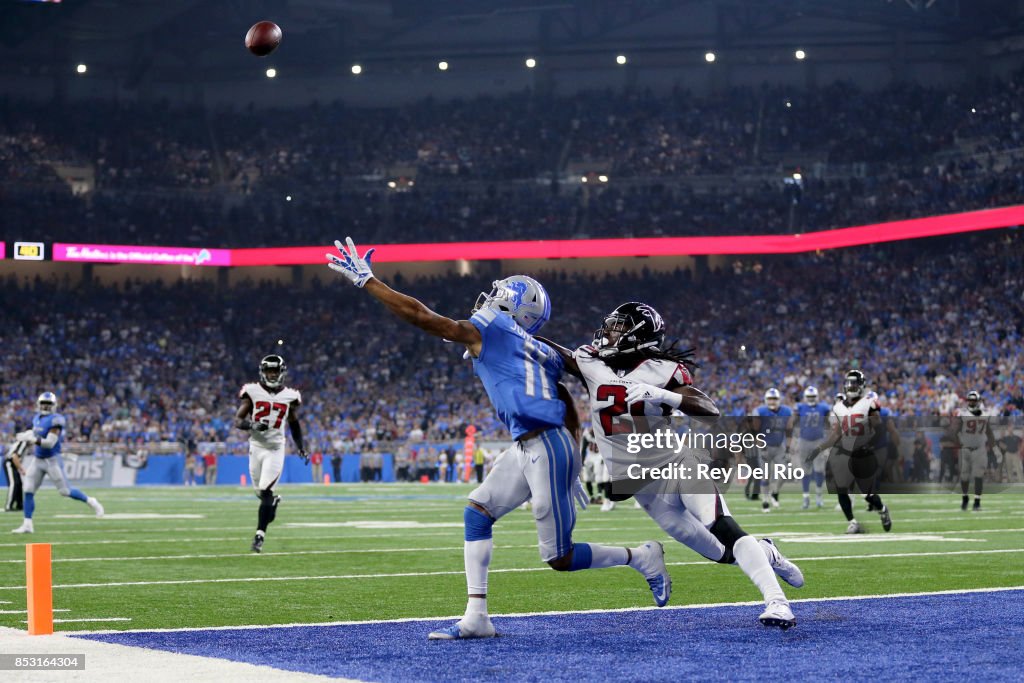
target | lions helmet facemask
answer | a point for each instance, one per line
(630, 328)
(47, 403)
(520, 296)
(811, 395)
(974, 401)
(272, 371)
(854, 385)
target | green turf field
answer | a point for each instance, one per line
(354, 552)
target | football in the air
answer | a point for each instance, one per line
(263, 38)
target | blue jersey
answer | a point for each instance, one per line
(773, 423)
(519, 374)
(812, 420)
(41, 425)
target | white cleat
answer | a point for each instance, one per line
(778, 614)
(608, 505)
(463, 629)
(774, 501)
(25, 528)
(649, 560)
(638, 506)
(95, 505)
(787, 571)
(854, 528)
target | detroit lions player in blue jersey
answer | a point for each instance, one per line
(47, 434)
(520, 375)
(773, 420)
(811, 415)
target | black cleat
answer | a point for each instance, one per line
(886, 519)
(977, 505)
(257, 544)
(963, 503)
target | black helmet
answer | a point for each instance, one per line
(973, 400)
(630, 328)
(854, 385)
(272, 371)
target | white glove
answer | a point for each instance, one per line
(350, 264)
(28, 436)
(648, 392)
(579, 494)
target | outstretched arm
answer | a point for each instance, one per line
(415, 312)
(568, 359)
(357, 269)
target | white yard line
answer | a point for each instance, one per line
(927, 537)
(706, 563)
(617, 610)
(113, 662)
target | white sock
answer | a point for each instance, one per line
(608, 556)
(751, 559)
(261, 534)
(477, 555)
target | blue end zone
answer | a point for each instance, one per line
(935, 637)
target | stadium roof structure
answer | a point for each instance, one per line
(179, 40)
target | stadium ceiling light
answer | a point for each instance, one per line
(530, 62)
(357, 69)
(81, 68)
(392, 184)
(800, 54)
(789, 104)
(710, 57)
(620, 59)
(287, 197)
(271, 72)
(583, 179)
(798, 176)
(443, 66)
(603, 178)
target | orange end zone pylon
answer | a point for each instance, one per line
(39, 580)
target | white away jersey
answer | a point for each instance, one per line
(272, 409)
(608, 388)
(973, 430)
(853, 422)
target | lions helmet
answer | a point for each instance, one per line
(854, 384)
(973, 401)
(811, 395)
(630, 328)
(272, 371)
(520, 296)
(772, 397)
(47, 403)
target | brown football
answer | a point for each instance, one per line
(263, 38)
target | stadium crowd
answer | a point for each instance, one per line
(269, 177)
(927, 322)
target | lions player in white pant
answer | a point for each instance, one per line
(630, 375)
(47, 435)
(266, 406)
(520, 376)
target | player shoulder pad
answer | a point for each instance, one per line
(483, 317)
(585, 351)
(58, 421)
(244, 391)
(872, 398)
(298, 395)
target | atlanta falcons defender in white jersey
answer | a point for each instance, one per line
(627, 372)
(266, 406)
(854, 424)
(971, 428)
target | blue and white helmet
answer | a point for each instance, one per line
(811, 395)
(47, 403)
(772, 394)
(522, 298)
